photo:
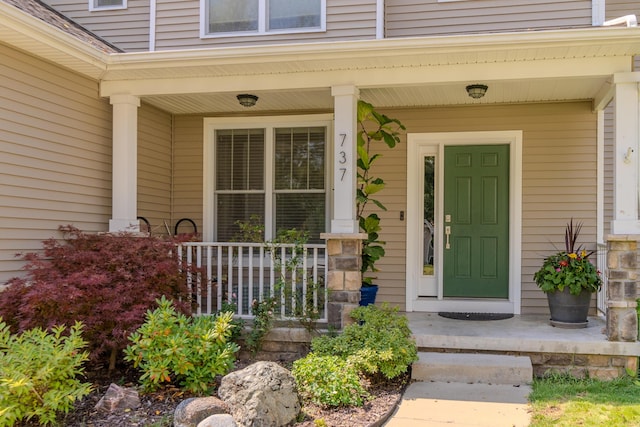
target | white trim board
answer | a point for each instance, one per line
(416, 143)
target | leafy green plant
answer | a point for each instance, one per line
(328, 381)
(291, 275)
(569, 268)
(374, 128)
(170, 346)
(263, 320)
(237, 324)
(39, 373)
(379, 341)
(249, 231)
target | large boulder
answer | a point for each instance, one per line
(261, 395)
(190, 412)
(218, 420)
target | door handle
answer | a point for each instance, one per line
(447, 232)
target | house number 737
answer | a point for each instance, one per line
(342, 158)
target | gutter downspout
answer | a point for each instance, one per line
(379, 19)
(598, 12)
(153, 7)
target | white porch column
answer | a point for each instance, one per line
(124, 164)
(345, 159)
(625, 159)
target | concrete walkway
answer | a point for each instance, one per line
(464, 405)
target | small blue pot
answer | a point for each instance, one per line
(368, 295)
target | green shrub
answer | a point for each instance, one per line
(170, 346)
(38, 373)
(263, 321)
(328, 381)
(378, 342)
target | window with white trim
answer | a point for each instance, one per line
(275, 172)
(239, 17)
(107, 4)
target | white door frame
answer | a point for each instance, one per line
(416, 142)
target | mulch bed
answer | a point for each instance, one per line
(157, 408)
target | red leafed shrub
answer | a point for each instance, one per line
(106, 281)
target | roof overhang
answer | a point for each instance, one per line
(543, 66)
(538, 66)
(30, 34)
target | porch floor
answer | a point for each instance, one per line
(524, 333)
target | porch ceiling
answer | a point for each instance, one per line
(427, 95)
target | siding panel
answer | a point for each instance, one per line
(617, 8)
(55, 167)
(188, 174)
(154, 167)
(178, 26)
(410, 18)
(126, 28)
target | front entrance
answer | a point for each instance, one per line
(463, 222)
(476, 221)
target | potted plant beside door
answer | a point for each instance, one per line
(569, 279)
(373, 129)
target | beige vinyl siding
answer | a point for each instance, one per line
(559, 161)
(55, 161)
(178, 26)
(154, 167)
(409, 18)
(127, 28)
(188, 172)
(618, 8)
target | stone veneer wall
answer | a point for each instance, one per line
(281, 344)
(622, 263)
(344, 277)
(289, 344)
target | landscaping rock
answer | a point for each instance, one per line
(261, 395)
(218, 420)
(118, 398)
(191, 412)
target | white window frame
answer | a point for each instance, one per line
(262, 23)
(94, 8)
(211, 125)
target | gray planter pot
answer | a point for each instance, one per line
(567, 310)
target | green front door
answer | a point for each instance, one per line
(476, 221)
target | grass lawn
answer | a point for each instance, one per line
(561, 401)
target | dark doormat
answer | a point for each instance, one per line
(475, 316)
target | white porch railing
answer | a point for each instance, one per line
(219, 274)
(601, 264)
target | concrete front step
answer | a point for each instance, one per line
(473, 368)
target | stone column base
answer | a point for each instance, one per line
(344, 277)
(622, 319)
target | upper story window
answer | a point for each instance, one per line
(239, 17)
(107, 4)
